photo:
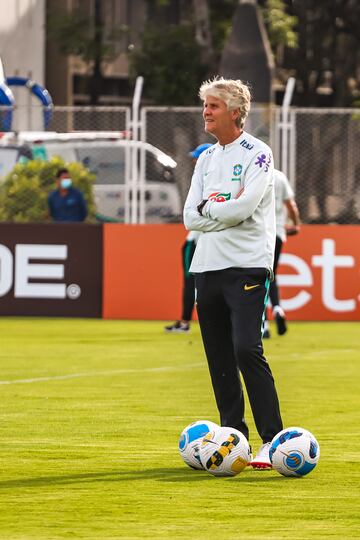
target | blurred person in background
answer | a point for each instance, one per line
(285, 209)
(66, 203)
(232, 202)
(182, 326)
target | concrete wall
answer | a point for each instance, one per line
(22, 50)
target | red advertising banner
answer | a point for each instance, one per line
(135, 271)
(51, 270)
(319, 272)
(142, 271)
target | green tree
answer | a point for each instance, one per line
(170, 62)
(327, 65)
(324, 63)
(281, 26)
(221, 14)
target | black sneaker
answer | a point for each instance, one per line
(266, 334)
(178, 328)
(280, 324)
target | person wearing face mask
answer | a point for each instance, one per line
(66, 203)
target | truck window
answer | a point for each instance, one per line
(107, 163)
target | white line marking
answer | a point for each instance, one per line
(101, 373)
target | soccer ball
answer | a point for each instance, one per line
(224, 451)
(294, 452)
(190, 440)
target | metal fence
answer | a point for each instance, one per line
(321, 145)
(178, 130)
(326, 159)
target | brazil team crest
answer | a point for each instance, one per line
(237, 169)
(237, 172)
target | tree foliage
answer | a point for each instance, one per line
(170, 62)
(326, 63)
(315, 41)
(281, 25)
(221, 14)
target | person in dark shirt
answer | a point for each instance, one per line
(66, 203)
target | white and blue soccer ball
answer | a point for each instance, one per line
(224, 451)
(294, 452)
(190, 440)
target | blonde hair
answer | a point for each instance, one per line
(234, 93)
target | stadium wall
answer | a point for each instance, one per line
(134, 272)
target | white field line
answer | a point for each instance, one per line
(102, 374)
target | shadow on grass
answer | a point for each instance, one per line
(178, 474)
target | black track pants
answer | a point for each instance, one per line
(188, 293)
(274, 290)
(230, 305)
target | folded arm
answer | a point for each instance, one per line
(234, 211)
(193, 220)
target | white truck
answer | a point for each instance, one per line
(134, 180)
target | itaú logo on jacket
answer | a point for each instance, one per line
(35, 271)
(219, 197)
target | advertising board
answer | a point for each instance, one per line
(51, 270)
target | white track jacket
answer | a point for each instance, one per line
(238, 221)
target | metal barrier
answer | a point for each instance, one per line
(326, 161)
(178, 130)
(90, 119)
(321, 146)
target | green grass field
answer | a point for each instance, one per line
(91, 412)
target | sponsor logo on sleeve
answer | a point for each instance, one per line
(246, 145)
(263, 161)
(219, 197)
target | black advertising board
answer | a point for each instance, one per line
(51, 269)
